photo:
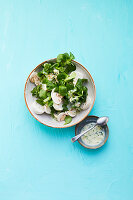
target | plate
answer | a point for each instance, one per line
(87, 120)
(47, 119)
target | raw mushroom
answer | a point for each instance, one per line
(71, 113)
(37, 108)
(60, 117)
(47, 109)
(34, 78)
(77, 104)
(56, 97)
(58, 106)
(87, 104)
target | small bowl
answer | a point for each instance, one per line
(87, 120)
(47, 119)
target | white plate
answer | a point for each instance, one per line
(47, 119)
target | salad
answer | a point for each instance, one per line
(60, 89)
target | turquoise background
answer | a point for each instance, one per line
(41, 163)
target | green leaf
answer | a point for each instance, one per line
(50, 85)
(53, 111)
(81, 89)
(50, 103)
(66, 56)
(65, 59)
(84, 80)
(61, 76)
(69, 68)
(72, 76)
(65, 108)
(62, 90)
(40, 101)
(62, 82)
(42, 94)
(79, 84)
(44, 72)
(44, 80)
(85, 93)
(47, 99)
(69, 86)
(48, 68)
(61, 68)
(72, 56)
(65, 103)
(56, 89)
(68, 119)
(48, 94)
(56, 65)
(59, 58)
(35, 91)
(40, 74)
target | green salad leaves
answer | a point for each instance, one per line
(68, 119)
(60, 77)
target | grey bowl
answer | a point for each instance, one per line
(87, 120)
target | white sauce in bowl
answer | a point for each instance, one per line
(94, 136)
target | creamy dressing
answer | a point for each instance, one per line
(94, 136)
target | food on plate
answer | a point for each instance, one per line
(60, 89)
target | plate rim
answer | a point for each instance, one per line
(93, 147)
(68, 124)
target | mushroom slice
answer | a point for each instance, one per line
(60, 117)
(87, 104)
(58, 106)
(56, 97)
(47, 109)
(37, 108)
(77, 104)
(34, 78)
(71, 113)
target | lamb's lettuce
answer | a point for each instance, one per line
(68, 119)
(42, 94)
(62, 90)
(62, 83)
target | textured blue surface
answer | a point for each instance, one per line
(41, 163)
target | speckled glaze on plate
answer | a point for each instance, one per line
(87, 120)
(47, 119)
